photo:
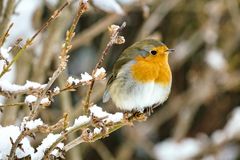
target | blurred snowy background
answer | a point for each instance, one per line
(200, 120)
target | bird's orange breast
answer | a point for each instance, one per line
(155, 69)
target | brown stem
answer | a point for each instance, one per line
(112, 127)
(42, 129)
(29, 42)
(1, 8)
(63, 136)
(103, 55)
(3, 38)
(55, 75)
(17, 142)
(96, 137)
(63, 58)
(6, 15)
(13, 104)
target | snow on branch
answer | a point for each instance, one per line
(16, 143)
(46, 143)
(25, 149)
(8, 89)
(96, 126)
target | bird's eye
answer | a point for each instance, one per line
(153, 52)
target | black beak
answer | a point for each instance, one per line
(170, 50)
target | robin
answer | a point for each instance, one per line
(141, 77)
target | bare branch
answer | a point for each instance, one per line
(4, 37)
(113, 38)
(30, 41)
(6, 15)
(63, 58)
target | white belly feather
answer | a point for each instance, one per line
(128, 94)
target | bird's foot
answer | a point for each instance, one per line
(140, 116)
(135, 115)
(149, 111)
(128, 118)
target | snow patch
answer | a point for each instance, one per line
(98, 112)
(45, 101)
(215, 59)
(56, 90)
(32, 124)
(100, 72)
(7, 86)
(46, 143)
(72, 81)
(171, 150)
(109, 6)
(13, 132)
(85, 77)
(97, 130)
(5, 53)
(30, 99)
(85, 1)
(232, 127)
(81, 120)
(55, 152)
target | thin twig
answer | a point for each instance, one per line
(35, 109)
(104, 53)
(61, 67)
(55, 33)
(63, 58)
(63, 136)
(1, 8)
(12, 93)
(127, 120)
(4, 37)
(96, 137)
(13, 104)
(6, 15)
(29, 132)
(30, 41)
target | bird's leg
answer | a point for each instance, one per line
(155, 105)
(149, 111)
